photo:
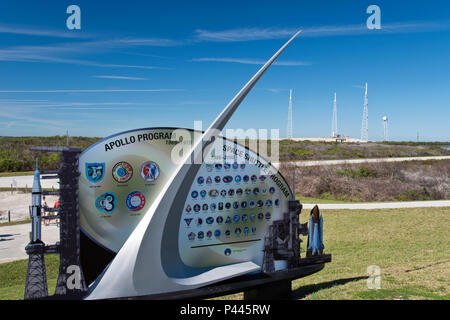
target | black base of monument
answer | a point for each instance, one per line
(262, 286)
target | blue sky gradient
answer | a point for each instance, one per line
(167, 63)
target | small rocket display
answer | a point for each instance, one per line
(315, 239)
(36, 205)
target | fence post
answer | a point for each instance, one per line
(9, 215)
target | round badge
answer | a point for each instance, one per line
(213, 193)
(122, 172)
(150, 171)
(135, 201)
(106, 202)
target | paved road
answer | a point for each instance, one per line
(27, 181)
(381, 205)
(13, 240)
(308, 163)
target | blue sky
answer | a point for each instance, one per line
(141, 64)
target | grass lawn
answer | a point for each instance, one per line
(13, 276)
(15, 174)
(411, 247)
(12, 223)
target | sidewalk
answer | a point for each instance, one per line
(13, 240)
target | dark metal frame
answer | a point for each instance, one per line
(68, 247)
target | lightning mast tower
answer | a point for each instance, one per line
(385, 129)
(334, 127)
(289, 129)
(365, 119)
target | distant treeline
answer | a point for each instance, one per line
(412, 143)
(15, 155)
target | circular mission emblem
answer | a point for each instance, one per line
(135, 201)
(149, 171)
(122, 172)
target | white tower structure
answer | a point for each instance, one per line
(385, 129)
(334, 127)
(365, 119)
(289, 129)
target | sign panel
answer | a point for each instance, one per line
(230, 204)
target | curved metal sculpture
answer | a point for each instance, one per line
(148, 262)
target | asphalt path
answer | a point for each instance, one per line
(27, 181)
(13, 240)
(310, 163)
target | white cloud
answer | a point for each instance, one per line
(251, 61)
(252, 34)
(118, 77)
(34, 31)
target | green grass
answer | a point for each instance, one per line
(13, 276)
(362, 172)
(12, 223)
(15, 174)
(409, 245)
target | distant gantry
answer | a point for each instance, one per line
(289, 129)
(365, 119)
(385, 129)
(334, 126)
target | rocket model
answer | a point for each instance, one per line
(315, 239)
(36, 194)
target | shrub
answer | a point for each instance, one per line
(362, 172)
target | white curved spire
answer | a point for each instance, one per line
(138, 267)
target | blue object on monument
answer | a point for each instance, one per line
(315, 245)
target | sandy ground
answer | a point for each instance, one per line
(18, 203)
